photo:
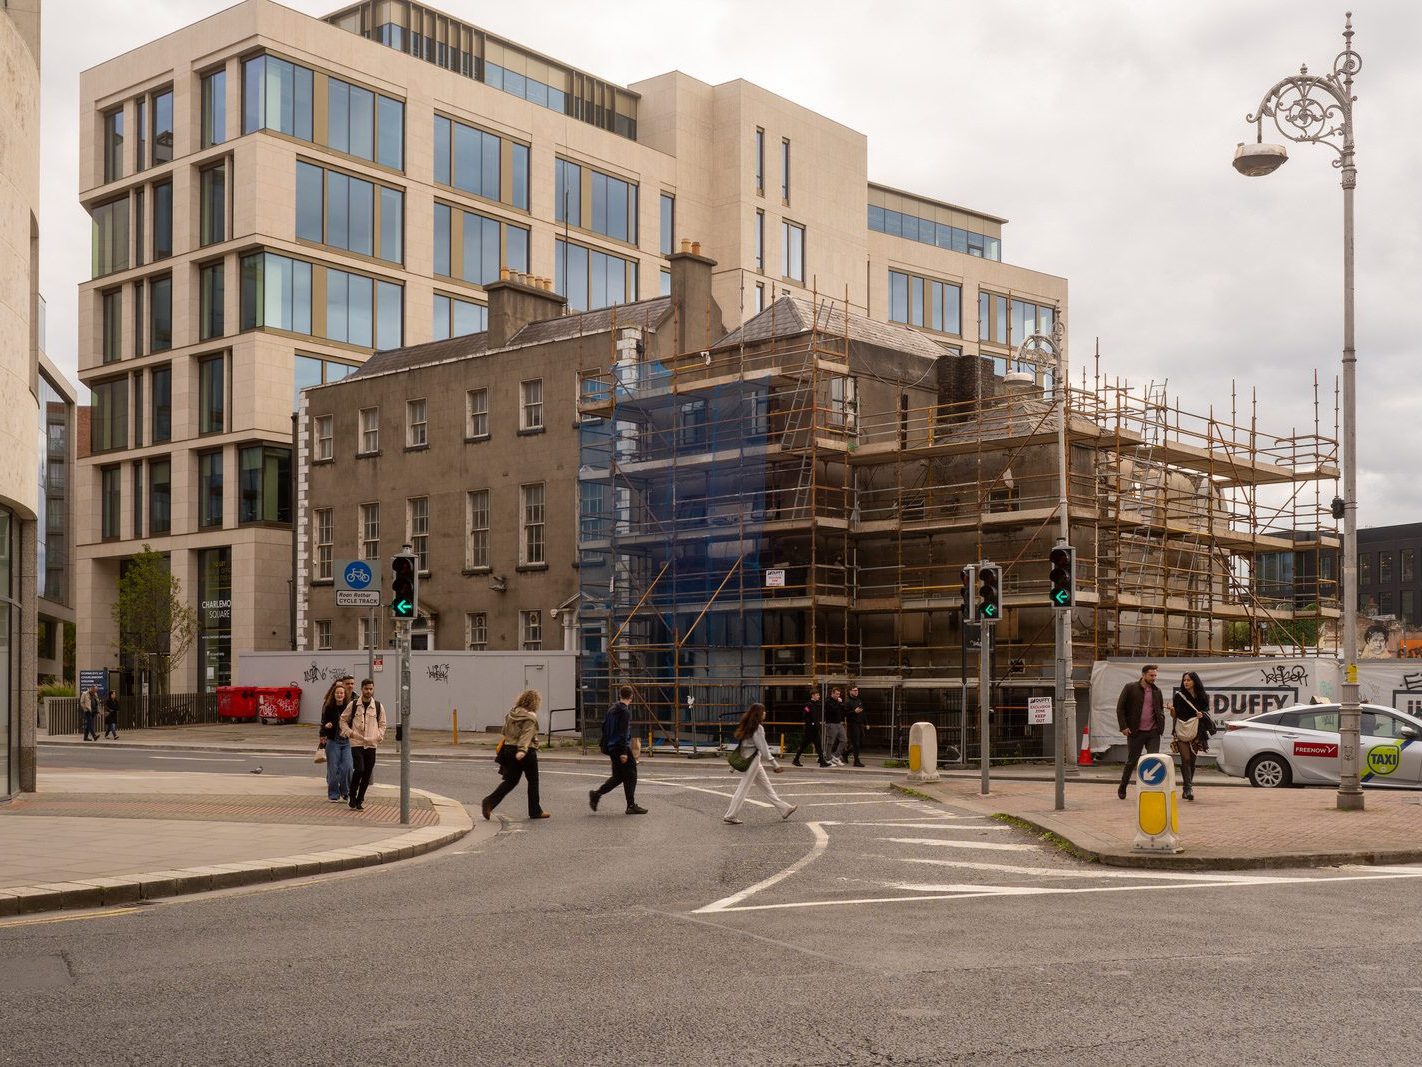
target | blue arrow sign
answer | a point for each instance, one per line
(1152, 771)
(357, 575)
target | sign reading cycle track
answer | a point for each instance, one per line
(358, 583)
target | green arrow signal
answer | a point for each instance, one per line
(989, 610)
(1061, 596)
(402, 607)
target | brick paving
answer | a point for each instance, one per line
(1223, 827)
(311, 811)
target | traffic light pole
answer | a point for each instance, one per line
(985, 636)
(403, 720)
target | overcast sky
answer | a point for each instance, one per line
(1103, 129)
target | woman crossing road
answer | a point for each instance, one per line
(518, 755)
(750, 737)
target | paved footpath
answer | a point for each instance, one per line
(91, 839)
(1226, 827)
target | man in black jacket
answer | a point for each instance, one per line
(1140, 713)
(855, 717)
(810, 734)
(617, 743)
(834, 743)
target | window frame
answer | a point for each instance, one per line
(533, 524)
(368, 522)
(478, 537)
(323, 543)
(530, 630)
(530, 411)
(417, 434)
(476, 623)
(417, 530)
(474, 417)
(323, 433)
(368, 426)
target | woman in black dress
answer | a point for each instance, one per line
(1189, 707)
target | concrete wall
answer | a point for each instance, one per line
(481, 685)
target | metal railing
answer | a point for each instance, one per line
(135, 712)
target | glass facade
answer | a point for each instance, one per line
(210, 301)
(113, 145)
(313, 370)
(161, 387)
(212, 222)
(925, 231)
(454, 317)
(212, 394)
(347, 212)
(276, 292)
(162, 221)
(160, 496)
(210, 488)
(472, 247)
(55, 432)
(110, 225)
(591, 279)
(925, 302)
(163, 127)
(214, 642)
(276, 95)
(214, 108)
(595, 201)
(264, 484)
(108, 426)
(160, 313)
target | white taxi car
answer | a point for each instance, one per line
(1299, 746)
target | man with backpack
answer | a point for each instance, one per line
(617, 745)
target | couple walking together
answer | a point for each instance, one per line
(1140, 714)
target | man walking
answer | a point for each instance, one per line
(617, 744)
(111, 710)
(833, 745)
(810, 733)
(854, 717)
(363, 724)
(1140, 713)
(89, 707)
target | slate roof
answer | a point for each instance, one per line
(644, 314)
(791, 315)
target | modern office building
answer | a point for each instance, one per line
(54, 564)
(20, 326)
(276, 197)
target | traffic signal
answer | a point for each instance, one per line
(1063, 576)
(989, 592)
(405, 601)
(970, 593)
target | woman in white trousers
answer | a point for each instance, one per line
(750, 733)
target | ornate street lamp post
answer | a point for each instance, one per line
(1314, 109)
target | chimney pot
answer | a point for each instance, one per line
(503, 274)
(696, 248)
(685, 244)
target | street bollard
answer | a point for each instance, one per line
(1157, 805)
(923, 752)
(454, 716)
(782, 744)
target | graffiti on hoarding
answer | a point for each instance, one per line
(1294, 674)
(437, 672)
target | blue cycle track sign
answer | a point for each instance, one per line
(1152, 771)
(358, 575)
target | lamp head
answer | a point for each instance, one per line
(1257, 160)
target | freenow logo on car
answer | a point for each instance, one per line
(1315, 748)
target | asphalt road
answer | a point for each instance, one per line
(870, 929)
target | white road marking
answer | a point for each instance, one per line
(674, 785)
(995, 846)
(816, 850)
(864, 793)
(1001, 891)
(213, 759)
(950, 827)
(842, 804)
(1055, 872)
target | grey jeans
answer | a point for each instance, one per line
(833, 738)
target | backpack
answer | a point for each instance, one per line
(609, 724)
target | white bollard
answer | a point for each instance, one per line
(923, 752)
(1157, 805)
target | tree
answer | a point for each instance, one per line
(153, 620)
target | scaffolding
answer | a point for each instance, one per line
(793, 507)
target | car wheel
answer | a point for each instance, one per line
(1268, 772)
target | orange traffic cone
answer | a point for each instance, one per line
(1083, 758)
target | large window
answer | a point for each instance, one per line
(212, 222)
(792, 251)
(160, 496)
(214, 108)
(591, 279)
(138, 230)
(325, 526)
(785, 170)
(759, 161)
(212, 393)
(163, 127)
(473, 247)
(111, 501)
(417, 530)
(531, 509)
(140, 155)
(160, 313)
(369, 531)
(925, 302)
(214, 643)
(111, 314)
(162, 221)
(358, 126)
(928, 232)
(276, 95)
(1003, 321)
(476, 413)
(109, 421)
(668, 206)
(313, 370)
(113, 144)
(325, 447)
(363, 312)
(276, 292)
(110, 227)
(264, 484)
(140, 321)
(210, 488)
(210, 301)
(471, 159)
(454, 317)
(347, 212)
(477, 552)
(595, 201)
(161, 387)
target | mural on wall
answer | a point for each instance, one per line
(1379, 638)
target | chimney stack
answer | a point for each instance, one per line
(698, 316)
(517, 299)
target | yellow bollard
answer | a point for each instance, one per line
(455, 716)
(782, 744)
(915, 757)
